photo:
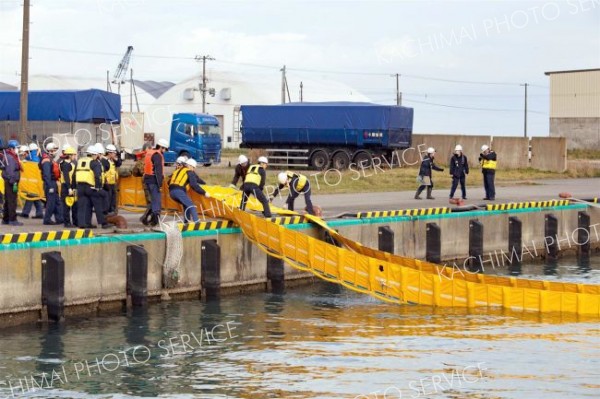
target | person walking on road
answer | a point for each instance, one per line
(154, 163)
(298, 184)
(424, 178)
(254, 184)
(488, 161)
(459, 169)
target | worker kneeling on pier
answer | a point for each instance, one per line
(183, 178)
(254, 183)
(298, 184)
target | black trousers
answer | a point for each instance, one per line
(69, 214)
(252, 189)
(295, 193)
(488, 183)
(463, 188)
(9, 213)
(111, 198)
(88, 199)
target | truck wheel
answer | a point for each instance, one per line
(319, 160)
(184, 154)
(363, 159)
(341, 160)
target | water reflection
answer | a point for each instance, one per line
(318, 341)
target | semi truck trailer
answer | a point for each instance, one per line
(328, 134)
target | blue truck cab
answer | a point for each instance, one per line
(197, 136)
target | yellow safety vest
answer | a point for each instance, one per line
(253, 176)
(301, 179)
(488, 164)
(180, 177)
(111, 175)
(83, 173)
(62, 177)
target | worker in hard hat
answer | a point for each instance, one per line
(112, 177)
(488, 161)
(424, 178)
(11, 173)
(68, 186)
(254, 184)
(241, 169)
(51, 177)
(183, 178)
(459, 169)
(297, 184)
(88, 175)
(154, 163)
(31, 156)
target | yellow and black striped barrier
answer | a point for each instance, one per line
(224, 224)
(288, 220)
(525, 205)
(214, 225)
(41, 236)
(404, 212)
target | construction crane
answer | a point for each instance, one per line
(119, 75)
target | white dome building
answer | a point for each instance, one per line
(232, 90)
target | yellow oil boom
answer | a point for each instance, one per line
(388, 277)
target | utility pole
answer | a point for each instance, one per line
(203, 89)
(25, 71)
(525, 122)
(398, 94)
(283, 84)
(301, 91)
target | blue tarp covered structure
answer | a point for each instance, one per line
(327, 115)
(63, 105)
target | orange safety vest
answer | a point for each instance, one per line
(148, 167)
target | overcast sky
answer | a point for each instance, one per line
(438, 47)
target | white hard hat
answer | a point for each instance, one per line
(23, 148)
(458, 147)
(484, 148)
(263, 160)
(430, 150)
(242, 159)
(163, 143)
(181, 160)
(51, 147)
(33, 147)
(282, 178)
(191, 162)
(111, 148)
(92, 150)
(100, 148)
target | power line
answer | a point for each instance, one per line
(306, 70)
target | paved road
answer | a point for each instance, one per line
(335, 204)
(542, 190)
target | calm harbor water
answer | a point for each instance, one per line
(318, 341)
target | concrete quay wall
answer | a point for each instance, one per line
(96, 268)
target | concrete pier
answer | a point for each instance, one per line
(95, 268)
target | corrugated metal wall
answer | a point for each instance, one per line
(575, 95)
